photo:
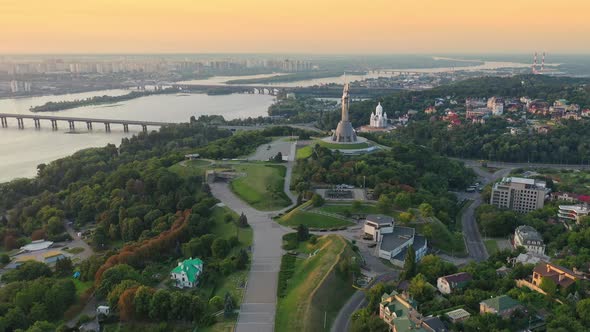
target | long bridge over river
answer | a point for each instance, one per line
(72, 121)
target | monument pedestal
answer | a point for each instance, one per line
(344, 133)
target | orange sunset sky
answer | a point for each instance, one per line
(302, 26)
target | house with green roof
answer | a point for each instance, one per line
(502, 305)
(187, 273)
(399, 314)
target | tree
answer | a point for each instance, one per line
(363, 321)
(219, 248)
(125, 303)
(548, 285)
(583, 311)
(402, 200)
(242, 260)
(216, 302)
(425, 210)
(410, 263)
(278, 158)
(420, 289)
(4, 259)
(302, 233)
(29, 270)
(160, 305)
(405, 217)
(64, 267)
(384, 204)
(317, 200)
(243, 221)
(142, 300)
(228, 304)
(113, 276)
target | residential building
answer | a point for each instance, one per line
(530, 239)
(570, 197)
(569, 214)
(393, 243)
(562, 276)
(519, 194)
(496, 105)
(186, 274)
(399, 314)
(376, 224)
(458, 315)
(448, 284)
(530, 258)
(502, 305)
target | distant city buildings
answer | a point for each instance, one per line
(519, 194)
(530, 239)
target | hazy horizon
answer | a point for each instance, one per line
(293, 27)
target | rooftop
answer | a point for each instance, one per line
(501, 303)
(528, 233)
(37, 245)
(576, 208)
(397, 238)
(525, 181)
(458, 277)
(552, 271)
(380, 219)
(458, 314)
(192, 268)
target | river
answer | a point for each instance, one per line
(485, 66)
(22, 150)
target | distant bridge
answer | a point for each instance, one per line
(72, 120)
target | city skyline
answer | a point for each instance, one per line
(262, 26)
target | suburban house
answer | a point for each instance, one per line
(560, 275)
(399, 314)
(448, 284)
(530, 239)
(376, 224)
(186, 274)
(502, 305)
(458, 315)
(570, 197)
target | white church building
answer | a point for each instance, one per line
(379, 118)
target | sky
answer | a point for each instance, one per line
(294, 26)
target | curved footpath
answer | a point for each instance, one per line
(259, 305)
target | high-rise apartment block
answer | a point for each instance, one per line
(519, 194)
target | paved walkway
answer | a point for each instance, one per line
(257, 312)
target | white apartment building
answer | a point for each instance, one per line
(530, 239)
(519, 194)
(569, 214)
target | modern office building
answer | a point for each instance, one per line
(519, 194)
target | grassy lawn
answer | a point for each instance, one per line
(312, 220)
(82, 286)
(262, 186)
(304, 152)
(190, 167)
(74, 251)
(442, 238)
(363, 208)
(491, 246)
(315, 289)
(350, 146)
(229, 229)
(232, 284)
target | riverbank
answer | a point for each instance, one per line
(97, 100)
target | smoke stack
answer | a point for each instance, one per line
(543, 62)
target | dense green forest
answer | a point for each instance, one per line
(404, 175)
(133, 202)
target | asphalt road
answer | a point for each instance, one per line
(473, 241)
(357, 301)
(257, 312)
